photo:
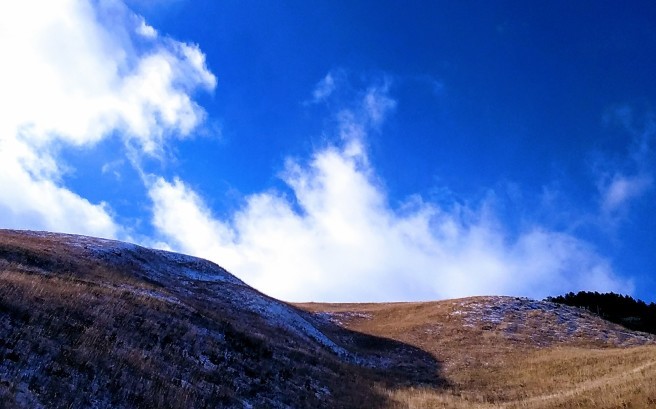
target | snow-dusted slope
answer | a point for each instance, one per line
(541, 323)
(157, 317)
(180, 273)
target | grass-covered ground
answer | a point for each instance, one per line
(89, 323)
(502, 352)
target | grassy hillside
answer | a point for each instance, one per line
(552, 378)
(502, 352)
(101, 324)
(91, 323)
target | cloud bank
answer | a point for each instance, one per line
(335, 237)
(74, 73)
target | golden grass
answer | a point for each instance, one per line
(554, 378)
(86, 327)
(486, 368)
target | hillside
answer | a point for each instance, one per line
(95, 323)
(507, 352)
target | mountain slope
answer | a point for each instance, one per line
(87, 322)
(507, 352)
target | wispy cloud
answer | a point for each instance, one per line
(146, 30)
(324, 88)
(336, 238)
(621, 189)
(74, 73)
(623, 181)
(377, 104)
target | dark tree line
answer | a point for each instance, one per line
(620, 309)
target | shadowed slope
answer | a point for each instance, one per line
(87, 322)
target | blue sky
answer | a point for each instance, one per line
(343, 151)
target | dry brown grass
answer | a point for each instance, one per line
(87, 328)
(79, 331)
(116, 328)
(555, 378)
(533, 366)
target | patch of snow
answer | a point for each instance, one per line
(164, 262)
(341, 316)
(557, 323)
(150, 293)
(194, 268)
(282, 315)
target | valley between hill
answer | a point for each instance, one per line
(93, 323)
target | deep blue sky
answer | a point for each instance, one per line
(522, 96)
(532, 111)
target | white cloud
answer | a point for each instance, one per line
(180, 209)
(40, 204)
(622, 182)
(75, 72)
(621, 189)
(146, 30)
(378, 104)
(338, 239)
(324, 88)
